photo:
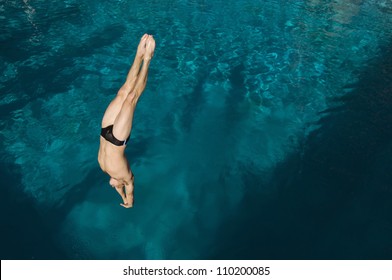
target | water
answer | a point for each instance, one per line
(264, 131)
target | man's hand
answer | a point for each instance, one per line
(128, 202)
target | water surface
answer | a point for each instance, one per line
(264, 131)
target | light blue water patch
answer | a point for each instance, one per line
(233, 85)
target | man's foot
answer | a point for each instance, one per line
(150, 47)
(141, 49)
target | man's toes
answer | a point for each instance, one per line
(143, 41)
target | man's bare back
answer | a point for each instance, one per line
(117, 123)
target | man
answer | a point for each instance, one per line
(117, 123)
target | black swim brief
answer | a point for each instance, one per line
(107, 133)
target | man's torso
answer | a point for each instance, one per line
(112, 160)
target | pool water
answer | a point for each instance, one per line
(264, 131)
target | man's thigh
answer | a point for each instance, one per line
(113, 109)
(123, 123)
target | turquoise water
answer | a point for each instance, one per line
(264, 131)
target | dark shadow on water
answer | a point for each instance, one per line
(193, 101)
(332, 200)
(33, 82)
(236, 95)
(24, 233)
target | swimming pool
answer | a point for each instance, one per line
(264, 131)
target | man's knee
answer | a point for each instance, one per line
(123, 91)
(131, 99)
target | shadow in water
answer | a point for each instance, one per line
(193, 101)
(333, 199)
(24, 233)
(50, 78)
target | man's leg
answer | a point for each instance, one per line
(114, 107)
(123, 123)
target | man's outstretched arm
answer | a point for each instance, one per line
(129, 187)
